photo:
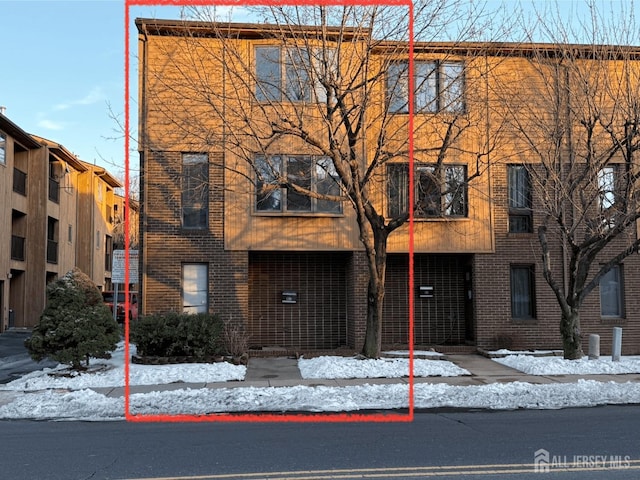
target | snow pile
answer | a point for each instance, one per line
(533, 365)
(330, 367)
(89, 405)
(110, 373)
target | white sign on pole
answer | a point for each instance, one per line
(118, 267)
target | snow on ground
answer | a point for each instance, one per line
(41, 396)
(342, 367)
(89, 405)
(110, 373)
(533, 365)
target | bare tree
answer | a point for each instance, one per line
(333, 86)
(576, 113)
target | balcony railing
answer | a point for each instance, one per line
(52, 251)
(54, 190)
(17, 248)
(19, 182)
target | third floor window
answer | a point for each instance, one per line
(437, 86)
(291, 74)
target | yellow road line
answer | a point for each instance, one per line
(418, 472)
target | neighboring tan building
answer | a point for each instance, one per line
(43, 197)
(292, 270)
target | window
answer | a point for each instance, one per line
(52, 240)
(611, 298)
(295, 82)
(195, 190)
(108, 253)
(438, 87)
(439, 191)
(3, 149)
(523, 298)
(70, 234)
(316, 174)
(195, 291)
(608, 190)
(519, 186)
(268, 74)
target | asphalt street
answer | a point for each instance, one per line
(590, 443)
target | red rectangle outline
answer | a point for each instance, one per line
(301, 417)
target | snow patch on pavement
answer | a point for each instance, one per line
(331, 367)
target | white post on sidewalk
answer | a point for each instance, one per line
(616, 348)
(594, 346)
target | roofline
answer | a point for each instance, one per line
(518, 49)
(103, 173)
(18, 133)
(62, 152)
(149, 26)
(161, 27)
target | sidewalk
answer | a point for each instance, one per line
(283, 372)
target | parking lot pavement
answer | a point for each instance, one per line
(14, 359)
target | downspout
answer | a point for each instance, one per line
(143, 148)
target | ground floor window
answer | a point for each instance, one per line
(523, 299)
(611, 288)
(195, 291)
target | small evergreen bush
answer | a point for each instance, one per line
(178, 335)
(75, 324)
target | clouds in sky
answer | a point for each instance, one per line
(49, 121)
(94, 96)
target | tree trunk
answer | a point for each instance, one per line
(375, 295)
(570, 331)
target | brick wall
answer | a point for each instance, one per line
(318, 318)
(495, 327)
(167, 246)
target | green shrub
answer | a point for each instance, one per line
(75, 324)
(178, 335)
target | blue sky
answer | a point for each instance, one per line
(62, 71)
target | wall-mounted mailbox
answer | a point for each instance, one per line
(426, 292)
(289, 297)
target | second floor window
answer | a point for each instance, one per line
(316, 174)
(439, 191)
(438, 87)
(195, 190)
(520, 199)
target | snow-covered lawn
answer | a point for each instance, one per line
(534, 365)
(339, 367)
(110, 373)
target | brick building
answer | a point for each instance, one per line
(221, 231)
